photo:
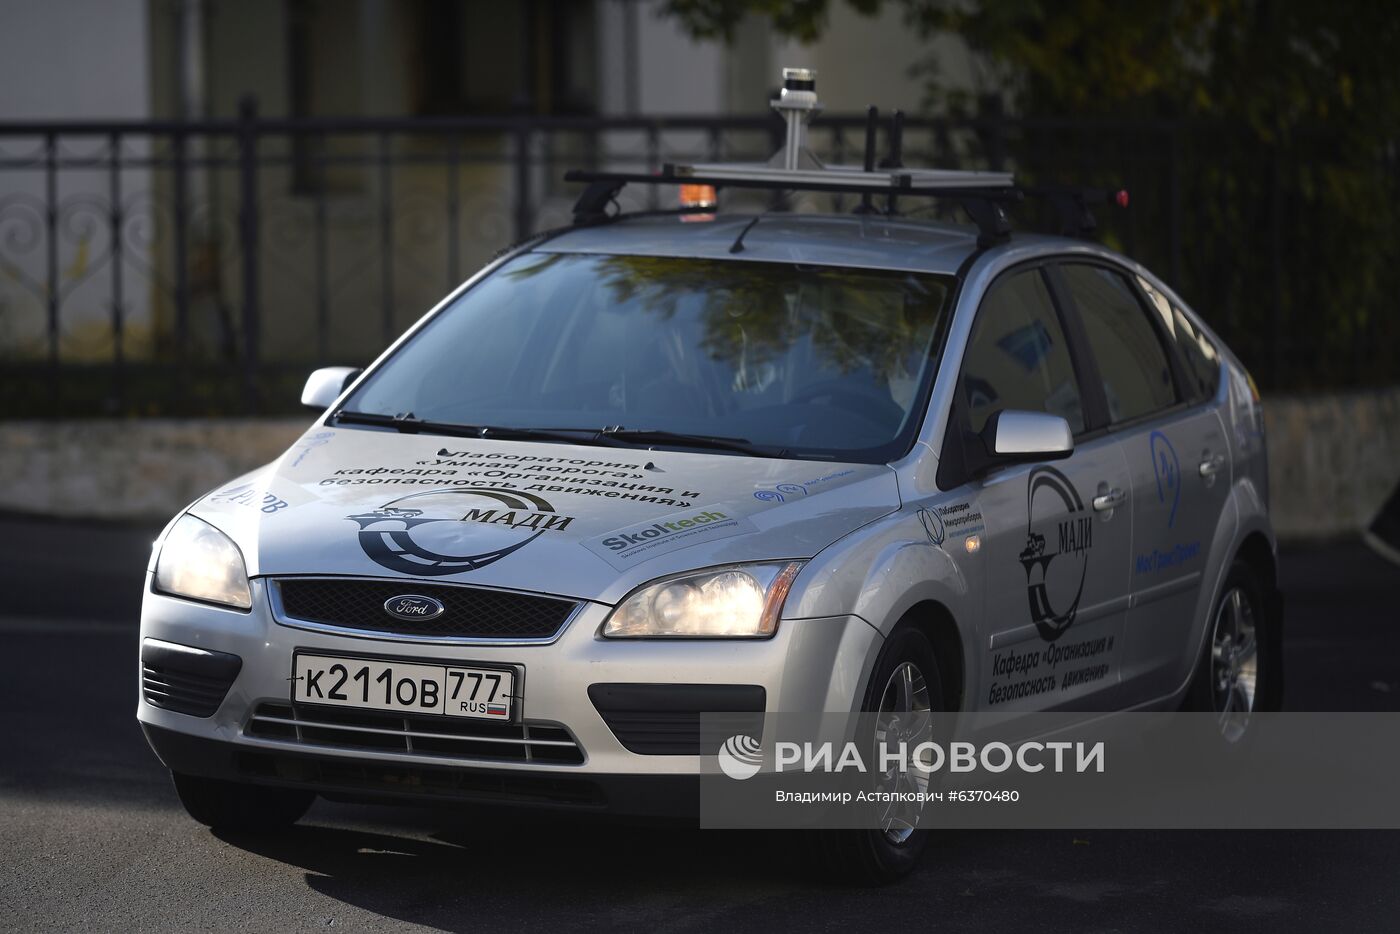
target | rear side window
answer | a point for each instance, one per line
(1018, 357)
(1197, 352)
(1137, 377)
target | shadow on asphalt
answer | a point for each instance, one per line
(589, 875)
(494, 857)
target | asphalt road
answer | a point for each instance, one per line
(91, 835)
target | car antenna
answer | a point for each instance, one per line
(895, 160)
(872, 119)
(738, 245)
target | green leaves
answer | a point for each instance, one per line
(1282, 128)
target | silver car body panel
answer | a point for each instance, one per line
(334, 494)
(857, 241)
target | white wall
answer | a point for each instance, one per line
(69, 59)
(73, 58)
(675, 74)
(860, 60)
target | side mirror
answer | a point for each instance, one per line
(1013, 437)
(325, 385)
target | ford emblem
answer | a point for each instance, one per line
(413, 606)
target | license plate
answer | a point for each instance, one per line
(404, 687)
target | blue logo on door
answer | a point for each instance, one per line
(1167, 468)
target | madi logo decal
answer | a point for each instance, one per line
(1059, 532)
(428, 538)
(412, 606)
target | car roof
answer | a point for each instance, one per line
(858, 240)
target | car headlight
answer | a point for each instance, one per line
(200, 562)
(739, 602)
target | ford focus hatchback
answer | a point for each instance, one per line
(640, 469)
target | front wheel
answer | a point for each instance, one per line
(235, 806)
(904, 690)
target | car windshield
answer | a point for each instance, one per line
(801, 361)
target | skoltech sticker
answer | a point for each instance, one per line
(1056, 556)
(625, 547)
(411, 539)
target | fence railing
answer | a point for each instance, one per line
(201, 267)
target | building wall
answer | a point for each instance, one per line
(198, 58)
(860, 60)
(1331, 462)
(73, 58)
(647, 65)
(70, 59)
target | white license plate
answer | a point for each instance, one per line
(403, 687)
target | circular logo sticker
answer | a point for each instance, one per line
(1059, 535)
(439, 532)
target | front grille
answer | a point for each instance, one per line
(186, 679)
(448, 737)
(468, 612)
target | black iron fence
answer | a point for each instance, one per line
(203, 267)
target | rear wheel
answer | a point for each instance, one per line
(1233, 679)
(905, 690)
(240, 807)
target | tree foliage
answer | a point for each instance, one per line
(1270, 63)
(1285, 156)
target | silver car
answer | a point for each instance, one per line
(629, 473)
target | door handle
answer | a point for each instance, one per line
(1212, 465)
(1110, 500)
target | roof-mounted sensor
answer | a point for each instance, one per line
(981, 195)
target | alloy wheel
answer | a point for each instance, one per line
(1234, 667)
(905, 716)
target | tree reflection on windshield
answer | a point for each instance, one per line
(854, 318)
(822, 361)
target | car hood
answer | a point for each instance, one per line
(580, 521)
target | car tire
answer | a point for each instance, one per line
(243, 808)
(873, 857)
(1238, 660)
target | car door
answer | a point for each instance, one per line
(1172, 435)
(1055, 539)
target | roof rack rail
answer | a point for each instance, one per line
(983, 196)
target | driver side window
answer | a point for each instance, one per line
(1018, 357)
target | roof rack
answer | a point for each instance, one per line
(983, 200)
(983, 196)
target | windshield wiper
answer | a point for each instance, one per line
(680, 439)
(410, 424)
(405, 422)
(566, 435)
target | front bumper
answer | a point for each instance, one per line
(809, 665)
(387, 781)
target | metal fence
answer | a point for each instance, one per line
(203, 267)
